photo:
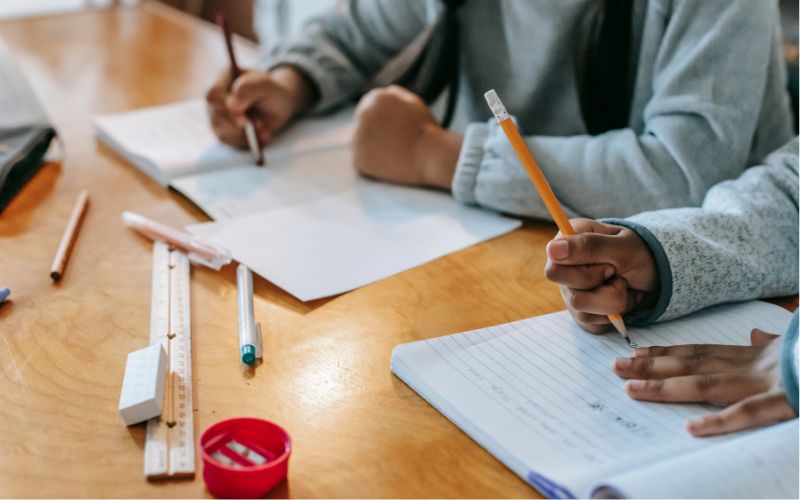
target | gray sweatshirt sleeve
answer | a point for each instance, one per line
(708, 81)
(343, 49)
(741, 244)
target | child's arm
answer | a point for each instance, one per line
(741, 244)
(342, 50)
(696, 129)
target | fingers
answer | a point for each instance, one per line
(218, 91)
(608, 298)
(583, 225)
(661, 367)
(248, 89)
(578, 277)
(760, 338)
(716, 388)
(700, 351)
(588, 248)
(755, 411)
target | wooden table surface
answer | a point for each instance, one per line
(357, 430)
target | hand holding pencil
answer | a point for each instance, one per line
(600, 270)
(544, 189)
(253, 104)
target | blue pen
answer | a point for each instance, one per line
(249, 336)
(4, 293)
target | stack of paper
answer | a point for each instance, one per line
(305, 221)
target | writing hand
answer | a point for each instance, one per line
(397, 140)
(268, 99)
(745, 377)
(604, 269)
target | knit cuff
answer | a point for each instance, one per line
(641, 318)
(469, 163)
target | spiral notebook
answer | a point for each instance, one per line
(539, 394)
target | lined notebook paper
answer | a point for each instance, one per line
(539, 394)
(176, 140)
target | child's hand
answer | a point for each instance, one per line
(604, 269)
(746, 377)
(397, 140)
(269, 99)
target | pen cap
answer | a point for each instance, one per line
(248, 354)
(244, 457)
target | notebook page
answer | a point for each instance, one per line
(173, 140)
(177, 139)
(540, 394)
(757, 464)
(292, 181)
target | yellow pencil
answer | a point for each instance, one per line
(541, 185)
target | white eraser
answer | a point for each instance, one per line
(142, 394)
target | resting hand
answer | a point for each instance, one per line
(746, 377)
(268, 99)
(397, 140)
(604, 269)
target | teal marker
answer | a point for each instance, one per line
(249, 337)
(4, 293)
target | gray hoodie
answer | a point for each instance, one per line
(709, 96)
(741, 244)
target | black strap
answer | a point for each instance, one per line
(604, 68)
(430, 63)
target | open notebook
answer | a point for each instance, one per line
(539, 394)
(175, 140)
(305, 221)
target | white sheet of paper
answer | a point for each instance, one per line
(758, 464)
(343, 241)
(540, 395)
(175, 140)
(293, 180)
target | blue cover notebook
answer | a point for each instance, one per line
(539, 394)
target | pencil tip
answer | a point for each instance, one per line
(631, 344)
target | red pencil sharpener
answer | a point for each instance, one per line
(244, 457)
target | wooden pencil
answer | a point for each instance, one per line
(70, 234)
(541, 185)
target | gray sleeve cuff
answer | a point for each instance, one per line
(641, 318)
(325, 83)
(469, 163)
(789, 363)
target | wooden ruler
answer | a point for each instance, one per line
(169, 446)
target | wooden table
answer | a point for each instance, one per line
(357, 430)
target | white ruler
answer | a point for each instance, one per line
(169, 447)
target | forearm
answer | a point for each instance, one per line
(341, 50)
(741, 244)
(691, 131)
(616, 174)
